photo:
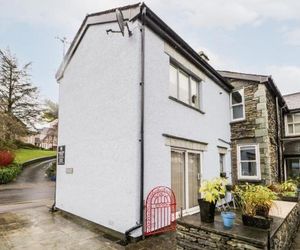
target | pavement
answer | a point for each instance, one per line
(26, 223)
(31, 189)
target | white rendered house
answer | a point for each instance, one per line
(137, 112)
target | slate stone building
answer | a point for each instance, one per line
(256, 128)
(291, 140)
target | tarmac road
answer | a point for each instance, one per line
(31, 188)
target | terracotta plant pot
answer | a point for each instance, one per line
(207, 211)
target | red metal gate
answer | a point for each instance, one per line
(160, 211)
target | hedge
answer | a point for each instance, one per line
(9, 173)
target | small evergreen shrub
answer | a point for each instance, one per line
(9, 173)
(51, 171)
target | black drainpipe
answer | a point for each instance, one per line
(279, 154)
(141, 223)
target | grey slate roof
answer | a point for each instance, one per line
(292, 100)
(264, 79)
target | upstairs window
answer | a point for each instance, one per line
(293, 124)
(184, 87)
(248, 162)
(237, 105)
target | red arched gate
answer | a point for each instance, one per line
(160, 211)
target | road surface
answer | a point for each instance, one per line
(31, 189)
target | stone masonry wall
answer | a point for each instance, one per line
(259, 127)
(190, 237)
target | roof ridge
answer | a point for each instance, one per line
(236, 72)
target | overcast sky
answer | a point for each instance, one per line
(252, 36)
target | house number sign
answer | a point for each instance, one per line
(61, 154)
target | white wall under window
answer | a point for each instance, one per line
(248, 162)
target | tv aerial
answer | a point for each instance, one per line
(122, 24)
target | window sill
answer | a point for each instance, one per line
(237, 121)
(187, 105)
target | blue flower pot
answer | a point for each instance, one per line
(228, 219)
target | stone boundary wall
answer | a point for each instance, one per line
(191, 237)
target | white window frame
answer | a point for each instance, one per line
(287, 133)
(241, 91)
(189, 210)
(257, 156)
(190, 77)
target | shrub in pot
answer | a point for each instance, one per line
(211, 191)
(289, 191)
(255, 202)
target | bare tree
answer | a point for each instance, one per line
(18, 97)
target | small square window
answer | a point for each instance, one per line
(248, 162)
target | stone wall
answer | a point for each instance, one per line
(202, 237)
(259, 127)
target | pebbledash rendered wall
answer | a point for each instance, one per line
(99, 113)
(165, 116)
(99, 125)
(259, 127)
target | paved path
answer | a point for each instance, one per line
(31, 188)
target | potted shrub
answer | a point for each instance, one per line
(211, 191)
(255, 202)
(289, 191)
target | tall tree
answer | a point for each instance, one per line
(18, 97)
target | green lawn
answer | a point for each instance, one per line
(23, 155)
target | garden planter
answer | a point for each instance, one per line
(290, 198)
(258, 222)
(262, 211)
(207, 211)
(228, 219)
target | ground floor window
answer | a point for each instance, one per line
(185, 178)
(292, 168)
(248, 162)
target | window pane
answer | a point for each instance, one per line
(297, 128)
(177, 178)
(296, 117)
(289, 118)
(183, 88)
(248, 169)
(237, 112)
(293, 168)
(222, 163)
(194, 93)
(194, 163)
(236, 97)
(173, 81)
(291, 129)
(248, 154)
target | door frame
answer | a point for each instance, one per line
(188, 210)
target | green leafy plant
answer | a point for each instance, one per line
(212, 190)
(9, 173)
(288, 188)
(51, 171)
(254, 199)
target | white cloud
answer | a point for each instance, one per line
(228, 14)
(293, 37)
(287, 78)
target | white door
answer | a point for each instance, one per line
(185, 182)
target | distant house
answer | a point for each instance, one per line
(256, 128)
(44, 138)
(291, 140)
(137, 112)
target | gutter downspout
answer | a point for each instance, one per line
(141, 223)
(279, 153)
